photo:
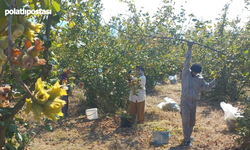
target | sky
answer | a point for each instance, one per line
(202, 9)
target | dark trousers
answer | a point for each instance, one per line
(188, 112)
(66, 106)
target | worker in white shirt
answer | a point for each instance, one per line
(137, 100)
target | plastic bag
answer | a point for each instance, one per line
(169, 105)
(173, 79)
(230, 115)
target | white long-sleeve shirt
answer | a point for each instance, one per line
(191, 86)
(141, 95)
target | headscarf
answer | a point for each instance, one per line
(141, 71)
(63, 75)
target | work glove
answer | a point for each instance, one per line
(190, 43)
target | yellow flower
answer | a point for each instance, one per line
(37, 110)
(53, 108)
(47, 103)
(39, 85)
(36, 27)
(28, 105)
(41, 96)
(29, 33)
(56, 91)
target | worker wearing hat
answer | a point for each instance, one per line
(192, 84)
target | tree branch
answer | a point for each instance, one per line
(10, 42)
(16, 46)
(4, 27)
(47, 67)
(19, 105)
(20, 80)
(4, 66)
(171, 38)
(162, 37)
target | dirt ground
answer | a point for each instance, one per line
(78, 133)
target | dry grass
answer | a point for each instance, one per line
(76, 132)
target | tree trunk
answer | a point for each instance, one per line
(2, 136)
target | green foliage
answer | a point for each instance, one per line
(48, 128)
(98, 52)
(230, 39)
(243, 128)
(15, 139)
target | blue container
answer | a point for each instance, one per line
(161, 137)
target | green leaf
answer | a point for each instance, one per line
(32, 4)
(2, 123)
(10, 130)
(20, 148)
(19, 138)
(17, 1)
(9, 147)
(3, 6)
(18, 119)
(26, 125)
(21, 4)
(45, 4)
(4, 111)
(14, 19)
(3, 18)
(56, 4)
(56, 18)
(12, 127)
(24, 76)
(72, 24)
(48, 128)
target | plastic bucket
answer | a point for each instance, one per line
(126, 122)
(91, 113)
(161, 137)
